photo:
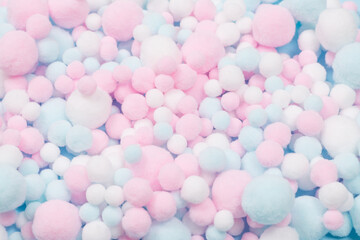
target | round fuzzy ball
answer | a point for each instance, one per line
(13, 46)
(279, 233)
(126, 14)
(268, 199)
(38, 26)
(162, 206)
(345, 65)
(136, 223)
(56, 220)
(68, 13)
(138, 192)
(333, 195)
(13, 188)
(273, 25)
(333, 219)
(96, 230)
(270, 153)
(305, 11)
(195, 190)
(173, 229)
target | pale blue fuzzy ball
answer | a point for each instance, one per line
(48, 50)
(273, 171)
(55, 70)
(248, 58)
(309, 146)
(251, 5)
(313, 102)
(233, 160)
(225, 61)
(48, 175)
(50, 112)
(110, 66)
(3, 14)
(57, 132)
(355, 214)
(274, 112)
(172, 229)
(35, 187)
(221, 120)
(79, 138)
(123, 53)
(122, 176)
(63, 38)
(31, 209)
(16, 236)
(154, 21)
(250, 137)
(273, 83)
(209, 106)
(212, 159)
(167, 30)
(72, 55)
(91, 65)
(348, 165)
(306, 11)
(257, 117)
(112, 216)
(353, 185)
(180, 202)
(268, 199)
(182, 35)
(12, 188)
(212, 233)
(132, 62)
(89, 212)
(345, 229)
(306, 218)
(5, 28)
(163, 131)
(28, 167)
(57, 190)
(346, 65)
(132, 153)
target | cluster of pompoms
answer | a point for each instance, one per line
(179, 120)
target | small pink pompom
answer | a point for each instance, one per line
(136, 223)
(278, 132)
(76, 178)
(189, 126)
(38, 26)
(31, 140)
(116, 124)
(323, 172)
(333, 219)
(138, 192)
(270, 153)
(68, 13)
(135, 107)
(310, 123)
(203, 214)
(40, 89)
(171, 177)
(162, 206)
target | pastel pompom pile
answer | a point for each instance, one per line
(179, 120)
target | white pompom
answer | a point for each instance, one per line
(60, 165)
(348, 204)
(212, 88)
(141, 32)
(231, 78)
(95, 194)
(114, 196)
(163, 114)
(96, 230)
(223, 220)
(234, 9)
(49, 152)
(99, 169)
(154, 98)
(299, 93)
(308, 41)
(228, 33)
(281, 97)
(15, 100)
(181, 8)
(88, 43)
(295, 166)
(244, 24)
(333, 195)
(219, 140)
(270, 64)
(195, 190)
(9, 154)
(30, 111)
(316, 71)
(93, 21)
(290, 115)
(343, 95)
(189, 23)
(177, 144)
(320, 88)
(253, 95)
(279, 233)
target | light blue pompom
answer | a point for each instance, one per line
(123, 53)
(313, 102)
(212, 233)
(274, 112)
(55, 70)
(268, 199)
(221, 120)
(57, 132)
(48, 50)
(48, 176)
(112, 216)
(35, 187)
(355, 215)
(110, 66)
(233, 160)
(209, 106)
(250, 137)
(89, 212)
(251, 5)
(79, 138)
(180, 202)
(5, 28)
(345, 229)
(248, 59)
(353, 185)
(348, 165)
(257, 117)
(132, 153)
(122, 176)
(28, 167)
(12, 188)
(306, 11)
(273, 83)
(225, 61)
(346, 65)
(163, 131)
(72, 55)
(309, 146)
(306, 218)
(91, 65)
(57, 190)
(212, 159)
(154, 21)
(172, 229)
(132, 62)
(167, 30)
(182, 35)
(15, 236)
(31, 209)
(63, 38)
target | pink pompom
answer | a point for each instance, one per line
(290, 69)
(187, 104)
(76, 178)
(19, 11)
(166, 65)
(7, 218)
(75, 70)
(108, 48)
(68, 13)
(122, 74)
(164, 82)
(26, 231)
(230, 101)
(303, 79)
(138, 192)
(143, 79)
(307, 57)
(11, 136)
(136, 223)
(116, 124)
(171, 177)
(40, 89)
(333, 219)
(31, 140)
(253, 224)
(16, 122)
(135, 107)
(204, 10)
(330, 107)
(309, 123)
(188, 164)
(189, 126)
(86, 85)
(64, 84)
(126, 14)
(203, 214)
(323, 172)
(56, 220)
(38, 26)
(207, 26)
(206, 128)
(249, 236)
(104, 80)
(278, 132)
(184, 77)
(270, 153)
(234, 127)
(100, 142)
(273, 25)
(162, 206)
(16, 82)
(18, 52)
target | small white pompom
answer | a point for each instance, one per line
(212, 88)
(15, 100)
(333, 195)
(60, 165)
(96, 230)
(279, 233)
(253, 95)
(49, 152)
(177, 144)
(88, 43)
(228, 33)
(270, 64)
(195, 190)
(223, 220)
(114, 196)
(154, 98)
(93, 21)
(316, 71)
(234, 9)
(295, 166)
(308, 41)
(95, 194)
(231, 78)
(343, 95)
(31, 111)
(9, 154)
